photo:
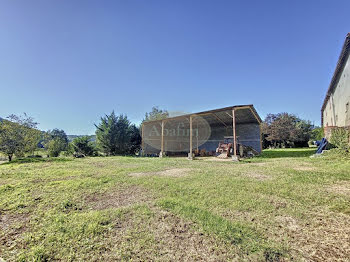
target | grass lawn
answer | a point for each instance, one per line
(281, 206)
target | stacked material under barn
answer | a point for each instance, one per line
(172, 136)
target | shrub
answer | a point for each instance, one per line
(340, 138)
(82, 146)
(55, 147)
(336, 154)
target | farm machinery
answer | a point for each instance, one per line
(225, 149)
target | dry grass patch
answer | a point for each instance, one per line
(3, 182)
(215, 159)
(48, 180)
(304, 168)
(237, 215)
(288, 222)
(174, 172)
(180, 242)
(258, 164)
(300, 166)
(162, 236)
(322, 237)
(342, 188)
(278, 203)
(256, 175)
(12, 228)
(118, 198)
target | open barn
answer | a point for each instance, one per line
(201, 133)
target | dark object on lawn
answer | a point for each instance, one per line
(78, 155)
(225, 149)
(34, 156)
(321, 144)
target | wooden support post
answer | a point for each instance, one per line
(190, 155)
(161, 154)
(234, 157)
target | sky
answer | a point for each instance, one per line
(67, 63)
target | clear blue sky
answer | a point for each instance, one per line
(66, 62)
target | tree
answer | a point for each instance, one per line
(317, 134)
(156, 114)
(285, 129)
(115, 135)
(18, 135)
(82, 146)
(55, 141)
(135, 139)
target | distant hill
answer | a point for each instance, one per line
(71, 137)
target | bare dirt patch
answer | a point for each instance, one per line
(12, 228)
(118, 198)
(288, 222)
(342, 188)
(174, 172)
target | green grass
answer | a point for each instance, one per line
(264, 209)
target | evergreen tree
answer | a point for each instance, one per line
(135, 139)
(82, 146)
(114, 135)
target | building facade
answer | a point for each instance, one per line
(335, 110)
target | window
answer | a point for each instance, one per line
(347, 107)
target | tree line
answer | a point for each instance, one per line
(116, 135)
(288, 130)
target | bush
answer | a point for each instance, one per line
(82, 146)
(336, 154)
(340, 138)
(55, 147)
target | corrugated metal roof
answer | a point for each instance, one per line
(243, 114)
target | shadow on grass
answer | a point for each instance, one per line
(287, 152)
(37, 160)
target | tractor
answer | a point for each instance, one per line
(225, 149)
